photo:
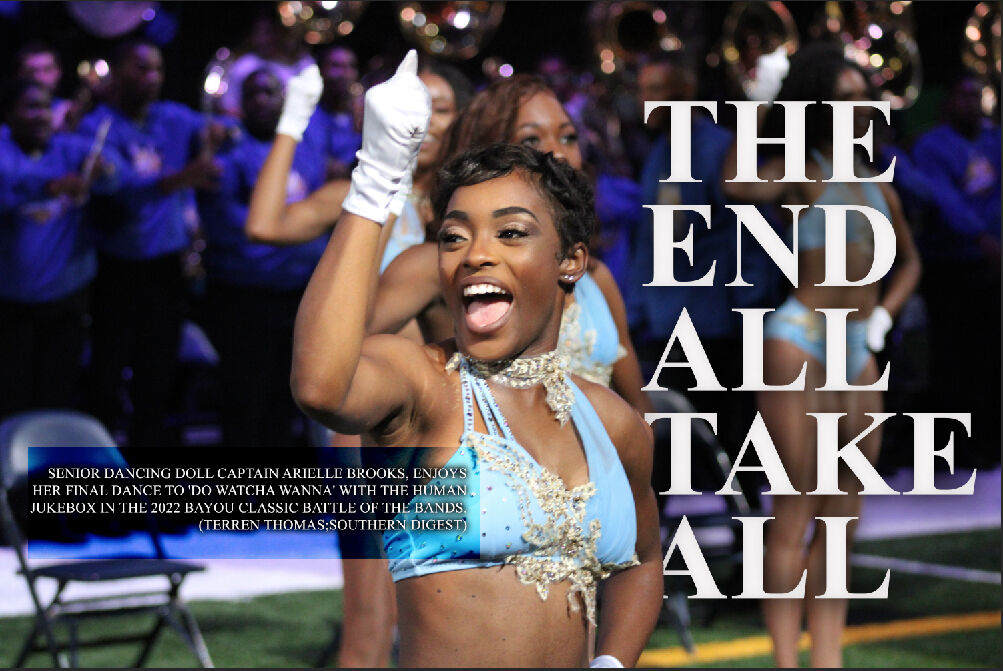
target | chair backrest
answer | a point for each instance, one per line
(30, 442)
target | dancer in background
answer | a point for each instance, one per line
(369, 615)
(271, 220)
(559, 507)
(795, 337)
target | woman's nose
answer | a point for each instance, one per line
(479, 253)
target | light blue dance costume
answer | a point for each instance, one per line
(588, 337)
(796, 323)
(518, 512)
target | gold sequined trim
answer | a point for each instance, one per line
(578, 347)
(562, 545)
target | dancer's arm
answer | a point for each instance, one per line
(770, 191)
(348, 384)
(269, 218)
(408, 285)
(626, 379)
(631, 599)
(905, 277)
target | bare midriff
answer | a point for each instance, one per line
(811, 271)
(487, 617)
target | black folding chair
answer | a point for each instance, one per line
(32, 442)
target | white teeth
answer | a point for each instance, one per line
(479, 289)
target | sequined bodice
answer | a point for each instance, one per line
(520, 513)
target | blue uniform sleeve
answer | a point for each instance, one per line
(934, 158)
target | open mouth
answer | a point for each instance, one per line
(485, 306)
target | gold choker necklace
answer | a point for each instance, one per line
(546, 369)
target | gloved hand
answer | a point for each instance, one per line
(400, 200)
(770, 72)
(302, 94)
(878, 326)
(393, 127)
(605, 662)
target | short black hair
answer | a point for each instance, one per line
(814, 71)
(566, 190)
(124, 50)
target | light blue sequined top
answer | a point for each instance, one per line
(588, 337)
(519, 513)
(811, 222)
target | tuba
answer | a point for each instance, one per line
(751, 30)
(321, 22)
(453, 30)
(981, 53)
(878, 36)
(622, 32)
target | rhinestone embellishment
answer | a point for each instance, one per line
(546, 369)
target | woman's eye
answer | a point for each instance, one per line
(571, 138)
(531, 141)
(448, 238)
(512, 233)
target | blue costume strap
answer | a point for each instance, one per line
(468, 406)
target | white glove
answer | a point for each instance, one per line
(400, 200)
(770, 72)
(878, 325)
(302, 94)
(605, 662)
(393, 127)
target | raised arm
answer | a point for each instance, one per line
(338, 377)
(269, 218)
(753, 192)
(408, 285)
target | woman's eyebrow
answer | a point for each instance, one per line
(513, 209)
(458, 215)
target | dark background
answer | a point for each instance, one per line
(528, 31)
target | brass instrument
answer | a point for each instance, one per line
(321, 22)
(878, 36)
(751, 30)
(981, 52)
(622, 32)
(452, 30)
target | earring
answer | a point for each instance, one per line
(568, 278)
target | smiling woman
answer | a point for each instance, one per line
(560, 509)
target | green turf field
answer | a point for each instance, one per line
(291, 630)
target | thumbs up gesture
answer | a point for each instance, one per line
(393, 127)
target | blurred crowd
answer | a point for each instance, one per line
(118, 209)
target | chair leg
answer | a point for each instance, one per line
(327, 654)
(72, 629)
(184, 623)
(29, 643)
(197, 644)
(679, 613)
(151, 639)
